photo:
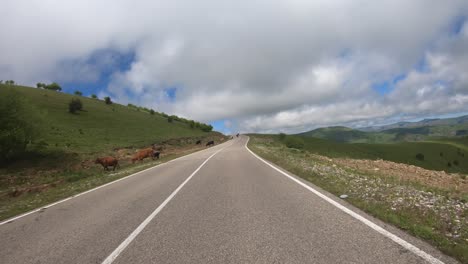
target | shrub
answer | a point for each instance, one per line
(282, 136)
(170, 119)
(455, 162)
(75, 105)
(420, 156)
(40, 85)
(206, 128)
(441, 154)
(78, 93)
(53, 86)
(94, 96)
(294, 142)
(151, 112)
(449, 164)
(108, 100)
(18, 124)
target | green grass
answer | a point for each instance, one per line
(99, 126)
(424, 224)
(402, 152)
(71, 182)
(422, 132)
(66, 140)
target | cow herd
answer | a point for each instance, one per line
(154, 153)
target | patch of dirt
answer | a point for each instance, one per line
(33, 189)
(406, 172)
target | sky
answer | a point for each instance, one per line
(249, 65)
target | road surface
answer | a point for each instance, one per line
(220, 205)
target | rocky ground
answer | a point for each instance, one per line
(435, 200)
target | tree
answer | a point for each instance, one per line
(282, 136)
(294, 142)
(420, 156)
(78, 93)
(151, 112)
(170, 119)
(18, 124)
(75, 105)
(10, 82)
(94, 96)
(108, 100)
(53, 86)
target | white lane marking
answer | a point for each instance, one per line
(94, 189)
(355, 215)
(140, 228)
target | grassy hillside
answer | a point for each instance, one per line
(60, 161)
(346, 134)
(397, 134)
(438, 155)
(99, 126)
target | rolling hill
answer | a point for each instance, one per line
(425, 130)
(99, 127)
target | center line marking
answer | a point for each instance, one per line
(140, 228)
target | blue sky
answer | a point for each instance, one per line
(240, 68)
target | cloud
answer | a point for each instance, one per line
(263, 65)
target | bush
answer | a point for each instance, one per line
(282, 136)
(294, 142)
(53, 86)
(455, 162)
(18, 124)
(94, 96)
(206, 128)
(40, 85)
(75, 105)
(151, 112)
(449, 164)
(78, 93)
(107, 100)
(170, 119)
(420, 156)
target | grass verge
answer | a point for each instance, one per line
(68, 183)
(439, 216)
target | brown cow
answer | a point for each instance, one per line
(142, 154)
(108, 162)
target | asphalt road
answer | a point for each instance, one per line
(220, 205)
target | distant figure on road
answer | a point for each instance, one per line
(237, 135)
(107, 162)
(198, 142)
(210, 143)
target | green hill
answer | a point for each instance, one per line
(345, 134)
(450, 155)
(59, 161)
(425, 130)
(99, 127)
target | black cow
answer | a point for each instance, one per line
(210, 143)
(156, 154)
(237, 135)
(198, 142)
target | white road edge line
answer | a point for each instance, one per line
(140, 228)
(94, 189)
(355, 215)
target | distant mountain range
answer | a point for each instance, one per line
(402, 131)
(422, 123)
